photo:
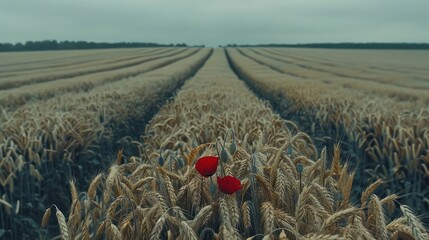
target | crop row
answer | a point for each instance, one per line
(386, 138)
(45, 143)
(412, 63)
(286, 190)
(50, 73)
(399, 86)
(27, 61)
(15, 97)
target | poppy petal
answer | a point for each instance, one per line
(229, 184)
(207, 165)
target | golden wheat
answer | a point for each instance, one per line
(270, 199)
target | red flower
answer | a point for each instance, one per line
(228, 184)
(207, 165)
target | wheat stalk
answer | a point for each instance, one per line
(46, 216)
(313, 236)
(93, 186)
(419, 231)
(368, 191)
(202, 217)
(337, 216)
(62, 223)
(187, 231)
(234, 210)
(376, 214)
(267, 217)
(224, 212)
(157, 229)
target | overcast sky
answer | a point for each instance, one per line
(215, 22)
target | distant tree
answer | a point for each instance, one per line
(19, 46)
(68, 45)
(6, 47)
(416, 46)
(29, 45)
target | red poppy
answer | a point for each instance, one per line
(228, 184)
(207, 165)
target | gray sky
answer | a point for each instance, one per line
(214, 22)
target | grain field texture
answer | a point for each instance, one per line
(200, 143)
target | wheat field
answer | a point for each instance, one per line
(382, 124)
(200, 143)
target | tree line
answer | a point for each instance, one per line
(69, 45)
(415, 46)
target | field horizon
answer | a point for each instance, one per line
(46, 45)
